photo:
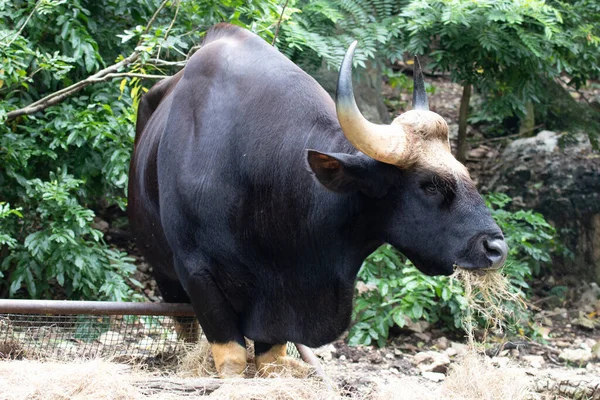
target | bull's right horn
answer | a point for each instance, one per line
(385, 143)
(419, 94)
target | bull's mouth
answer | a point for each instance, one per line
(435, 270)
(477, 268)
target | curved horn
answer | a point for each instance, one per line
(419, 95)
(385, 143)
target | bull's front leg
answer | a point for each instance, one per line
(217, 318)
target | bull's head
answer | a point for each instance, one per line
(421, 198)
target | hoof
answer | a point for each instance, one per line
(230, 359)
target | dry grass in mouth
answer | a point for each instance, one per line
(487, 292)
(473, 377)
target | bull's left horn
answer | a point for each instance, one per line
(385, 143)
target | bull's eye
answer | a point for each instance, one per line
(430, 189)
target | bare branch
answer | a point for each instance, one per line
(170, 27)
(57, 97)
(167, 63)
(279, 23)
(100, 76)
(25, 23)
(162, 5)
(130, 75)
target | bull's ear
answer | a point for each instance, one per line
(345, 173)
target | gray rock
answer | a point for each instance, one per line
(500, 362)
(419, 326)
(544, 142)
(579, 357)
(442, 343)
(534, 361)
(459, 348)
(562, 183)
(110, 338)
(425, 337)
(100, 225)
(434, 376)
(451, 352)
(325, 352)
(584, 322)
(596, 351)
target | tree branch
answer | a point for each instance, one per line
(279, 23)
(513, 136)
(100, 76)
(169, 28)
(25, 23)
(129, 75)
(149, 24)
(167, 63)
(57, 97)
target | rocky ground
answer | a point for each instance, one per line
(565, 363)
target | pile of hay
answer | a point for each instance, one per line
(26, 379)
(99, 379)
(475, 378)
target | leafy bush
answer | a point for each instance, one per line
(60, 165)
(399, 292)
(63, 249)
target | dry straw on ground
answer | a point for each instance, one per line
(103, 380)
(20, 380)
(475, 378)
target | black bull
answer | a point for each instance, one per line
(262, 235)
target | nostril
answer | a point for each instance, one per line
(492, 249)
(496, 250)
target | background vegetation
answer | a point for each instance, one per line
(72, 73)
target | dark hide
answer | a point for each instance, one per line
(266, 237)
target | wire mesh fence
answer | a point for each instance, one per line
(67, 330)
(70, 336)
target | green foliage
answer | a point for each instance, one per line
(508, 50)
(531, 240)
(322, 30)
(63, 249)
(399, 292)
(504, 48)
(60, 165)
